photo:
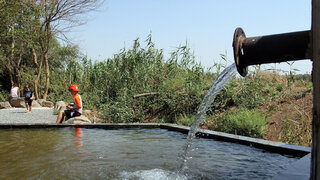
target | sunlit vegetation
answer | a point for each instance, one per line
(139, 84)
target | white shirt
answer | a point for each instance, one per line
(14, 92)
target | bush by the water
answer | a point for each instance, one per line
(241, 122)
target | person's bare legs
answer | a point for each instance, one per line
(60, 117)
(27, 106)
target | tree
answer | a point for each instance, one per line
(16, 18)
(57, 17)
(27, 29)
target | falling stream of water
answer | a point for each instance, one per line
(216, 87)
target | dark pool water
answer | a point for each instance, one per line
(74, 153)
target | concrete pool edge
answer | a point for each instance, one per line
(271, 146)
(277, 147)
(302, 170)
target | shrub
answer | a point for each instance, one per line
(185, 120)
(242, 122)
(117, 112)
(3, 95)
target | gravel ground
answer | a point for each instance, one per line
(21, 116)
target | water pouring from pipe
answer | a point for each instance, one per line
(220, 82)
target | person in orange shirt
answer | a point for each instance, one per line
(72, 110)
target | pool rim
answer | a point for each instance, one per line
(270, 146)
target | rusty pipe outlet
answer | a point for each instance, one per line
(269, 49)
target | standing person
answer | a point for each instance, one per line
(14, 91)
(28, 98)
(72, 110)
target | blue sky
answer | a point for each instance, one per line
(207, 26)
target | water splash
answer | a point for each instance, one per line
(216, 87)
(153, 174)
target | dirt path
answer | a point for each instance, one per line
(20, 116)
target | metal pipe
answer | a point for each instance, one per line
(269, 49)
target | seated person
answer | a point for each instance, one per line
(14, 92)
(72, 110)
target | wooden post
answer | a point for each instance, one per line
(315, 39)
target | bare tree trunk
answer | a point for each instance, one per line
(20, 57)
(39, 68)
(47, 76)
(8, 65)
(35, 82)
(18, 69)
(35, 57)
(10, 59)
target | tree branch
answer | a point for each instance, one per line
(145, 94)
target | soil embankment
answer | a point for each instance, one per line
(290, 120)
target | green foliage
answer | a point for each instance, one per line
(118, 112)
(304, 77)
(3, 95)
(56, 111)
(242, 122)
(110, 85)
(293, 132)
(185, 120)
(246, 92)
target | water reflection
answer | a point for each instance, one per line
(78, 141)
